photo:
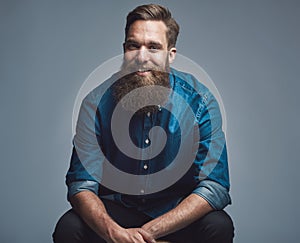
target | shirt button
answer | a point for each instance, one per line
(147, 141)
(145, 167)
(142, 191)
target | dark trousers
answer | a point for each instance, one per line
(215, 227)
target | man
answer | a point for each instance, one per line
(186, 207)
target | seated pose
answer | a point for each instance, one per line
(149, 161)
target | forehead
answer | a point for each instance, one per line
(148, 30)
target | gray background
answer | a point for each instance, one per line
(249, 48)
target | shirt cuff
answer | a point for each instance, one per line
(79, 186)
(216, 195)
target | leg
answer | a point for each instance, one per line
(71, 228)
(215, 227)
(126, 217)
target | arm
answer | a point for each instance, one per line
(211, 192)
(207, 196)
(190, 209)
(83, 179)
(91, 209)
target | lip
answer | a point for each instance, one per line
(143, 72)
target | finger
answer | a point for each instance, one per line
(138, 238)
(147, 237)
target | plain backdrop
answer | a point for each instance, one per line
(251, 51)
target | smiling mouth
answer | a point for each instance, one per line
(143, 72)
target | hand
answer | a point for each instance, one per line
(131, 235)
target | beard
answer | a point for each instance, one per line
(138, 94)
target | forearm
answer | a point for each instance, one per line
(91, 209)
(189, 210)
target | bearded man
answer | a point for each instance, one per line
(173, 190)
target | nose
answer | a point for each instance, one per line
(142, 56)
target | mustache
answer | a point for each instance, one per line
(132, 67)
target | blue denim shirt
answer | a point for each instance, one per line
(94, 145)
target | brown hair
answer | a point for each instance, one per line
(154, 12)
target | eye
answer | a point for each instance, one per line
(154, 47)
(131, 46)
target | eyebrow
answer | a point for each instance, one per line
(155, 43)
(132, 41)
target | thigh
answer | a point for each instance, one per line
(71, 228)
(126, 217)
(215, 227)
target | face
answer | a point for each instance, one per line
(146, 64)
(146, 48)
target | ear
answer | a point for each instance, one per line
(172, 54)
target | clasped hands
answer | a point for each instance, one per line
(131, 235)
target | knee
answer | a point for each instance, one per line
(68, 228)
(219, 227)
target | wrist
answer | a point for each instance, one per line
(111, 229)
(151, 229)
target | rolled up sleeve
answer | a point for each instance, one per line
(214, 193)
(79, 186)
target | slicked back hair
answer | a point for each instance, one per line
(157, 13)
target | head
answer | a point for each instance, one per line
(149, 48)
(154, 12)
(150, 38)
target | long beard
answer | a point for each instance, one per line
(149, 94)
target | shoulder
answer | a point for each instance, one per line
(101, 93)
(186, 83)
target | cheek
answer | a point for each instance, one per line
(129, 57)
(159, 60)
